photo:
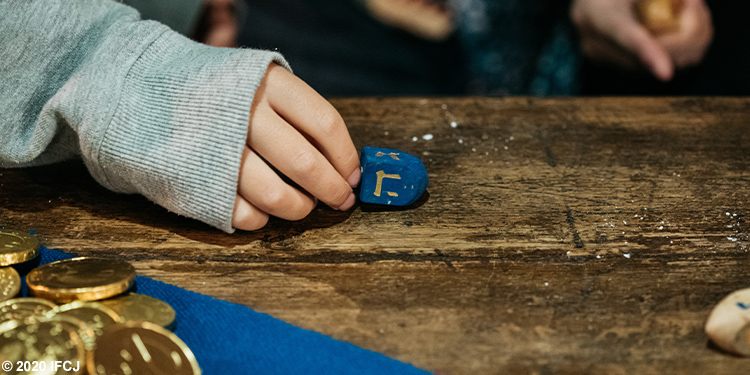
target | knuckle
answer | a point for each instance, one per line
(339, 194)
(285, 204)
(300, 212)
(305, 163)
(258, 222)
(352, 163)
(273, 198)
(329, 121)
(247, 220)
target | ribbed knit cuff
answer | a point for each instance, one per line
(180, 127)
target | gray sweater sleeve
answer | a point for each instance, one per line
(148, 110)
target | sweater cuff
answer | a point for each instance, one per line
(180, 127)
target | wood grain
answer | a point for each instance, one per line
(558, 236)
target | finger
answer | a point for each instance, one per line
(290, 152)
(688, 45)
(264, 189)
(221, 37)
(601, 49)
(636, 39)
(246, 216)
(222, 23)
(315, 117)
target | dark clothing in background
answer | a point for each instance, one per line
(500, 47)
(518, 47)
(338, 49)
(180, 15)
(509, 47)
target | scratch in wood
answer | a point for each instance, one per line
(547, 193)
(544, 141)
(491, 274)
(511, 253)
(445, 260)
(572, 223)
(551, 159)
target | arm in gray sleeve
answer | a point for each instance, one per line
(148, 110)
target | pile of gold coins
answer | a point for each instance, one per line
(82, 319)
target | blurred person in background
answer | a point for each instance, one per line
(481, 47)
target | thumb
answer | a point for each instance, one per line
(652, 55)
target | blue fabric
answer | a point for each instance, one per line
(233, 339)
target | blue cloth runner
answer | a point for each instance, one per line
(227, 338)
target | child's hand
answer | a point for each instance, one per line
(611, 33)
(302, 136)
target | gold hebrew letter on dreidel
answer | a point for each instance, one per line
(381, 175)
(393, 155)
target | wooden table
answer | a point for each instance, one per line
(581, 236)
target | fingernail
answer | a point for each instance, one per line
(349, 203)
(353, 180)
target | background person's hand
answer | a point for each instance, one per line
(300, 134)
(221, 23)
(611, 33)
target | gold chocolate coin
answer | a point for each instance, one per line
(139, 307)
(10, 283)
(17, 247)
(94, 314)
(141, 348)
(81, 279)
(20, 309)
(50, 346)
(659, 16)
(85, 333)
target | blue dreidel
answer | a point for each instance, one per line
(391, 177)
